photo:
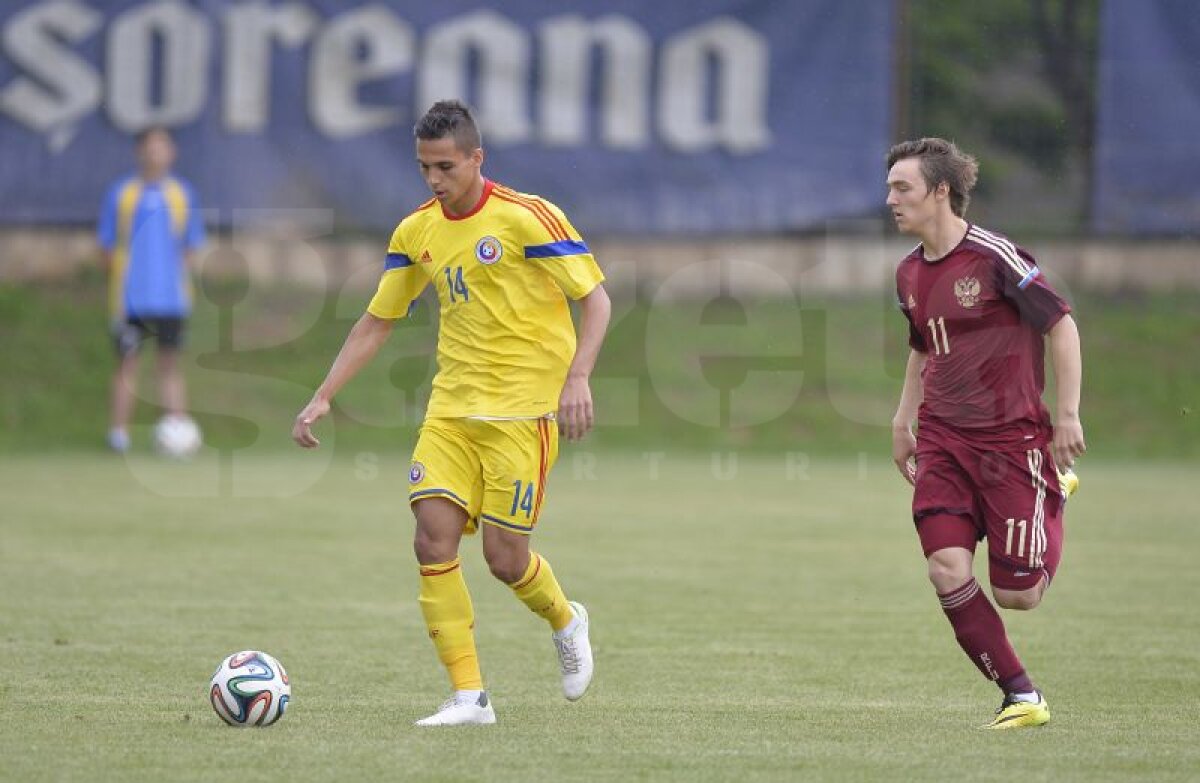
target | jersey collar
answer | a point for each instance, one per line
(927, 260)
(483, 197)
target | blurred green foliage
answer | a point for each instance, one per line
(817, 375)
(1012, 81)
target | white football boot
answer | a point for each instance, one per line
(575, 654)
(462, 711)
(118, 440)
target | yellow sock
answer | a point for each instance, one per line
(540, 591)
(450, 618)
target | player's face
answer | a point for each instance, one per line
(912, 203)
(156, 154)
(450, 173)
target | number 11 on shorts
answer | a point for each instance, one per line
(522, 500)
(1008, 541)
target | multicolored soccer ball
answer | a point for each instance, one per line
(177, 436)
(250, 688)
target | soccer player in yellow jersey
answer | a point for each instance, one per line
(511, 376)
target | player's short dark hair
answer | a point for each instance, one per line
(144, 135)
(941, 161)
(450, 118)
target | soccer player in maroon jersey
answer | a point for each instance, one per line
(985, 460)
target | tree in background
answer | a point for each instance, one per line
(1015, 80)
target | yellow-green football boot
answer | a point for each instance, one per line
(1019, 714)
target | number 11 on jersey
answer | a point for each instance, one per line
(944, 346)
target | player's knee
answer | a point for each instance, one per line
(439, 528)
(1021, 600)
(505, 567)
(431, 549)
(424, 548)
(947, 573)
(507, 554)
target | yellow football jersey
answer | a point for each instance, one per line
(506, 338)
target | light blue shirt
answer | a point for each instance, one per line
(149, 227)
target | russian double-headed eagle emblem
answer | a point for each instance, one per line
(966, 290)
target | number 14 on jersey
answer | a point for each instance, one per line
(455, 285)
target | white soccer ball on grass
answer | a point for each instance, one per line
(177, 436)
(250, 688)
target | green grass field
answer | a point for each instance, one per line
(756, 628)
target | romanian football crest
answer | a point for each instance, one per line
(967, 289)
(416, 473)
(488, 250)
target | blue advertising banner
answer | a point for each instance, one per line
(675, 117)
(1147, 163)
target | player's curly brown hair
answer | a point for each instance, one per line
(941, 161)
(450, 118)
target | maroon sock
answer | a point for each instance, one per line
(980, 632)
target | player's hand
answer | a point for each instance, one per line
(1068, 442)
(575, 416)
(904, 453)
(302, 428)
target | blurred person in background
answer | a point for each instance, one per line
(986, 459)
(511, 375)
(149, 230)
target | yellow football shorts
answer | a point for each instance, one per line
(495, 470)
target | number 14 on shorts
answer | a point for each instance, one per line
(523, 492)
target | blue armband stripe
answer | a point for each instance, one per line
(1028, 278)
(567, 247)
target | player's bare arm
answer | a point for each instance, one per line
(575, 414)
(1066, 359)
(904, 443)
(360, 347)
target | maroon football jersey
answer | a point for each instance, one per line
(980, 314)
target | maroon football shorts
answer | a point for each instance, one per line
(968, 491)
